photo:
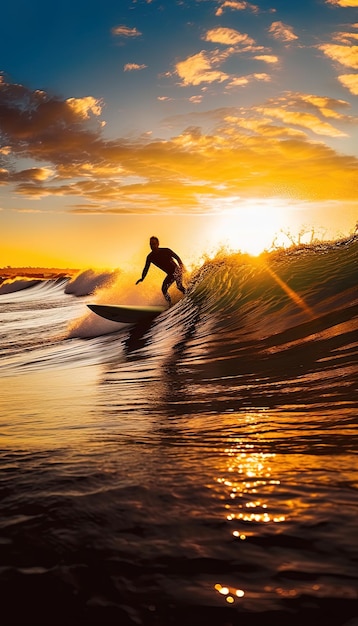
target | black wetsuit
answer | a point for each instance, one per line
(164, 259)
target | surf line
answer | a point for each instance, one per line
(291, 293)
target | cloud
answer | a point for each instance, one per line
(282, 32)
(242, 81)
(125, 31)
(261, 76)
(36, 174)
(84, 106)
(236, 6)
(129, 67)
(265, 128)
(307, 111)
(345, 55)
(266, 58)
(239, 81)
(350, 81)
(322, 104)
(204, 67)
(305, 120)
(345, 37)
(264, 150)
(4, 175)
(229, 37)
(200, 68)
(36, 124)
(196, 99)
(343, 3)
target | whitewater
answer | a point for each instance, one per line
(199, 468)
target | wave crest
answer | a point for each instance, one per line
(88, 281)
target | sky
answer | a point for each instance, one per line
(206, 123)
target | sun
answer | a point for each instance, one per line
(252, 227)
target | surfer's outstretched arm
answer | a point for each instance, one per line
(145, 270)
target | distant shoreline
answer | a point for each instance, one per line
(45, 273)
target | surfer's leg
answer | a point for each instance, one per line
(168, 280)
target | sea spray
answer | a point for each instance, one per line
(121, 288)
(88, 281)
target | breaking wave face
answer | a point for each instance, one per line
(253, 326)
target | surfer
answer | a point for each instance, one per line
(168, 262)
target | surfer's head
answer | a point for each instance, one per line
(154, 243)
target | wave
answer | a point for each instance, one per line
(18, 284)
(279, 328)
(88, 281)
(278, 290)
(84, 283)
(253, 297)
(282, 325)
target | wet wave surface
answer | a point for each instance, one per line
(196, 469)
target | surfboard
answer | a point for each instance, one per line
(126, 314)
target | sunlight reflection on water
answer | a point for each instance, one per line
(49, 411)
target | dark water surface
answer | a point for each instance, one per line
(198, 470)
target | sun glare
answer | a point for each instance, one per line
(252, 228)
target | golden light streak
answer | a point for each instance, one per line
(291, 293)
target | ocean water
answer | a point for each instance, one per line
(198, 469)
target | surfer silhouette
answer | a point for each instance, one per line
(169, 262)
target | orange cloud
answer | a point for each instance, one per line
(236, 6)
(239, 81)
(343, 3)
(345, 55)
(4, 175)
(34, 174)
(323, 105)
(229, 37)
(290, 109)
(203, 67)
(268, 150)
(282, 31)
(84, 106)
(199, 68)
(306, 120)
(266, 58)
(242, 81)
(264, 127)
(345, 37)
(350, 81)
